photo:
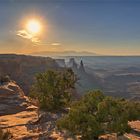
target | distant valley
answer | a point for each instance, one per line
(23, 117)
(115, 76)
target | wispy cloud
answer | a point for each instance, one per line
(35, 39)
(56, 44)
(24, 34)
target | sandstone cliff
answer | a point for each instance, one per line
(20, 117)
(12, 99)
(22, 68)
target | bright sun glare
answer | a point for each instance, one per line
(33, 26)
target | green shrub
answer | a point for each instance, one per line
(96, 114)
(4, 79)
(52, 89)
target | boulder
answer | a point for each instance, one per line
(12, 99)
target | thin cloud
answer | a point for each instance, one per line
(34, 39)
(24, 34)
(56, 44)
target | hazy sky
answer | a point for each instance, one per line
(100, 26)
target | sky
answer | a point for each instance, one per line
(105, 27)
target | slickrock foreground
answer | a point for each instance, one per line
(16, 123)
(20, 117)
(12, 99)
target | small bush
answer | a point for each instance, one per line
(52, 89)
(96, 114)
(4, 79)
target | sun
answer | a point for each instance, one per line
(33, 26)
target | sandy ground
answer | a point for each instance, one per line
(17, 124)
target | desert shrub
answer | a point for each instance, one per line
(112, 112)
(4, 135)
(4, 79)
(96, 114)
(52, 89)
